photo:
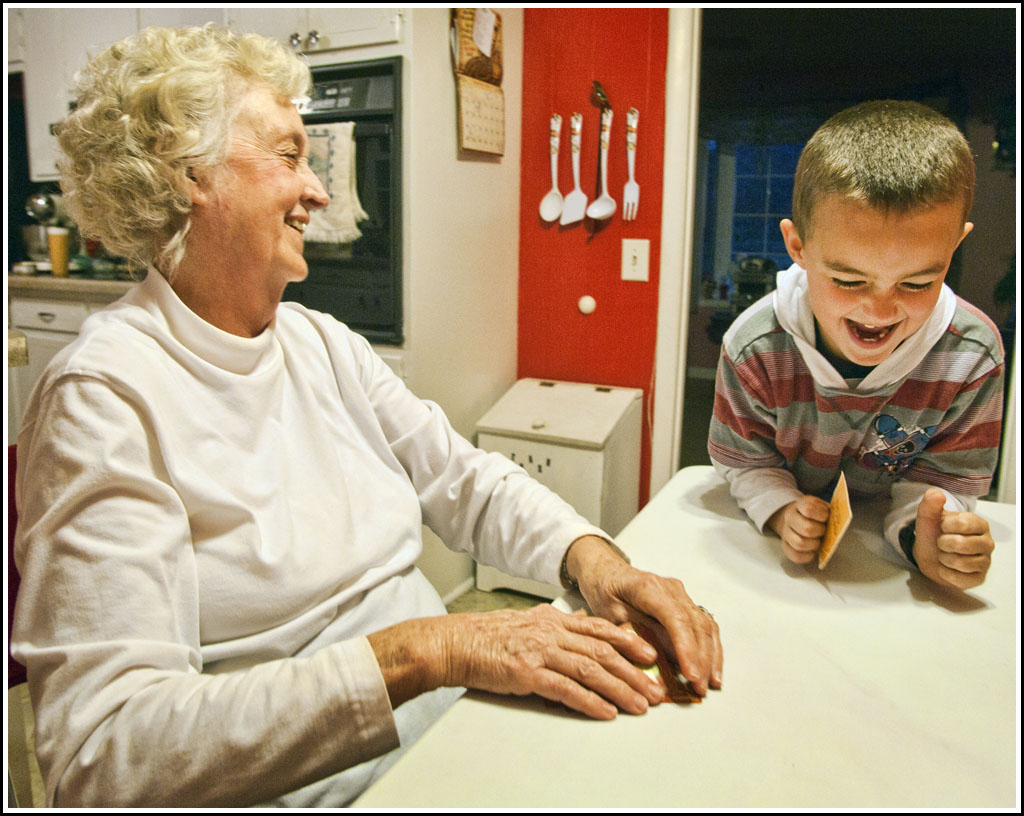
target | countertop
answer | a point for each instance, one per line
(70, 288)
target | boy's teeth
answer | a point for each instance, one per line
(296, 224)
(871, 333)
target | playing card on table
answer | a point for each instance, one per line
(677, 689)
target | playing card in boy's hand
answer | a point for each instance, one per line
(839, 517)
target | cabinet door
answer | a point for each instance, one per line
(178, 17)
(58, 42)
(42, 346)
(15, 38)
(279, 23)
(352, 27)
(319, 29)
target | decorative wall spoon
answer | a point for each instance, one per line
(604, 205)
(551, 204)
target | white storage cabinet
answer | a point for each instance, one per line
(580, 440)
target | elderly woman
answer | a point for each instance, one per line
(221, 495)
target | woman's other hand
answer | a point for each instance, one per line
(619, 592)
(582, 661)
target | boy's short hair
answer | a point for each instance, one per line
(891, 155)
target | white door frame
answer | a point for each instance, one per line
(682, 89)
(1008, 489)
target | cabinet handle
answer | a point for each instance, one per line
(295, 40)
(46, 317)
(314, 37)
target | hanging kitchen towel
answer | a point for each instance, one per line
(332, 156)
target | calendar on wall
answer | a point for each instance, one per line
(477, 61)
(481, 116)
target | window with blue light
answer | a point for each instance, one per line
(746, 190)
(764, 196)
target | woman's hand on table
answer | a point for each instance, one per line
(617, 591)
(801, 526)
(587, 662)
(953, 549)
(582, 661)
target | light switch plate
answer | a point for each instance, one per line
(635, 255)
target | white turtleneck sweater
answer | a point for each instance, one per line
(210, 526)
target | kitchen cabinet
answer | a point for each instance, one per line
(312, 30)
(48, 326)
(50, 319)
(57, 42)
(179, 17)
(42, 346)
(15, 39)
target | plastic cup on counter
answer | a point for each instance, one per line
(59, 239)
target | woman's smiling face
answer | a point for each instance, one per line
(874, 277)
(265, 190)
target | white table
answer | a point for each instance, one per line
(858, 686)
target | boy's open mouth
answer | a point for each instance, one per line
(867, 333)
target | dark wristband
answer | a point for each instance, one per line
(908, 537)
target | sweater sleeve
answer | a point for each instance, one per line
(477, 502)
(107, 622)
(741, 445)
(961, 456)
(906, 496)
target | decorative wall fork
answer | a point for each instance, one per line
(631, 192)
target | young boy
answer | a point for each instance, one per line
(863, 360)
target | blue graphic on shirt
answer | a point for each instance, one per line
(896, 447)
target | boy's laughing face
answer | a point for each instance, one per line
(874, 277)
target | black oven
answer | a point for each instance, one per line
(360, 282)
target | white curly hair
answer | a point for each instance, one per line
(149, 110)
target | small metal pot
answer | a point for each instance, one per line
(36, 246)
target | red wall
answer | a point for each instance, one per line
(564, 51)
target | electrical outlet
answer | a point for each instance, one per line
(635, 254)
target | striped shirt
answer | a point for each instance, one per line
(937, 425)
